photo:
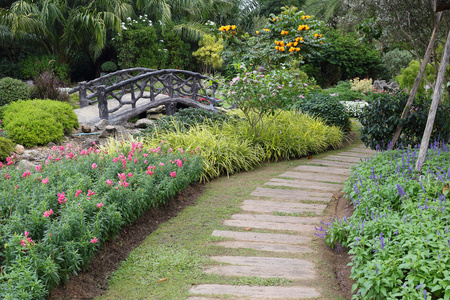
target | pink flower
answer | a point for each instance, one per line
(99, 205)
(161, 164)
(173, 174)
(45, 180)
(16, 187)
(30, 240)
(23, 243)
(26, 174)
(145, 154)
(181, 150)
(109, 182)
(62, 198)
(94, 166)
(77, 193)
(122, 176)
(130, 174)
(47, 213)
(170, 150)
(135, 160)
(149, 172)
(90, 193)
(7, 176)
(39, 168)
(162, 142)
(94, 240)
(179, 163)
(26, 233)
(115, 159)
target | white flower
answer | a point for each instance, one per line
(160, 23)
(128, 18)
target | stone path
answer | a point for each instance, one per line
(280, 218)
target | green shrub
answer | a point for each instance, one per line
(381, 117)
(12, 90)
(343, 91)
(327, 107)
(33, 65)
(109, 66)
(38, 122)
(408, 76)
(6, 148)
(396, 60)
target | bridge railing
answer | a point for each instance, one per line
(174, 84)
(108, 80)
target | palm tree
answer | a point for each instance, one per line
(64, 27)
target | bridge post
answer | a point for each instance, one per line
(195, 88)
(170, 85)
(102, 102)
(82, 93)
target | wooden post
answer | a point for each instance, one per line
(413, 92)
(82, 94)
(434, 105)
(102, 102)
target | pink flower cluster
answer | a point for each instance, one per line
(47, 213)
(62, 198)
(29, 240)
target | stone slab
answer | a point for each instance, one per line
(343, 158)
(334, 164)
(262, 237)
(355, 153)
(305, 184)
(279, 219)
(264, 267)
(265, 246)
(255, 292)
(315, 177)
(323, 170)
(298, 206)
(271, 225)
(291, 194)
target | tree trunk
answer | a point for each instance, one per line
(441, 5)
(434, 105)
(412, 94)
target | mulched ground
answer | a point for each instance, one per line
(93, 282)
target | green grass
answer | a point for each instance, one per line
(180, 249)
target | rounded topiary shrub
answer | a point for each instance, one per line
(38, 122)
(109, 66)
(327, 107)
(6, 148)
(12, 90)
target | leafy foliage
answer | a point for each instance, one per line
(394, 258)
(343, 58)
(108, 66)
(343, 90)
(327, 107)
(396, 60)
(408, 76)
(261, 96)
(38, 122)
(46, 87)
(208, 53)
(12, 90)
(381, 117)
(61, 213)
(6, 148)
(33, 66)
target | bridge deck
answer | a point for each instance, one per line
(89, 114)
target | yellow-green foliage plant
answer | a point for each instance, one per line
(292, 135)
(222, 149)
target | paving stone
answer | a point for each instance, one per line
(271, 225)
(315, 177)
(292, 194)
(255, 292)
(265, 246)
(279, 219)
(304, 184)
(334, 164)
(264, 267)
(323, 170)
(355, 153)
(343, 158)
(262, 237)
(288, 207)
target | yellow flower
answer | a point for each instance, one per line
(289, 44)
(284, 32)
(257, 32)
(305, 17)
(297, 49)
(233, 27)
(295, 44)
(281, 48)
(299, 39)
(317, 35)
(281, 43)
(291, 49)
(267, 30)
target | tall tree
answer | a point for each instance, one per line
(64, 27)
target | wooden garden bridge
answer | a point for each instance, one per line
(167, 87)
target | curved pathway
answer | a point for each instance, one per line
(287, 208)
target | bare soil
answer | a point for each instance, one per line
(94, 281)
